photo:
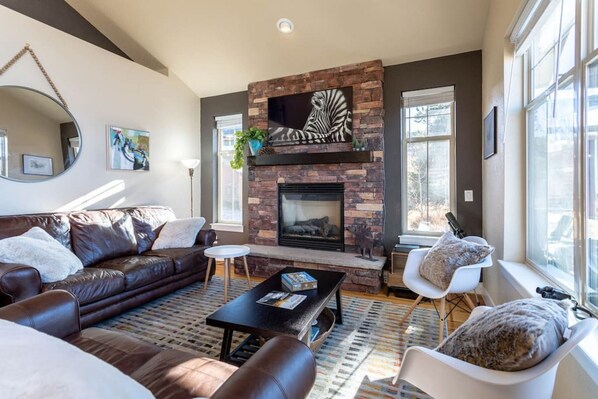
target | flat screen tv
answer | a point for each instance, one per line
(316, 117)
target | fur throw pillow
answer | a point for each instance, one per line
(179, 233)
(447, 255)
(513, 336)
(38, 249)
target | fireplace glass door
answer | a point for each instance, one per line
(311, 216)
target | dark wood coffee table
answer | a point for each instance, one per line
(244, 314)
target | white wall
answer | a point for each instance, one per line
(101, 88)
(504, 177)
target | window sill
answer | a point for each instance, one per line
(524, 280)
(234, 228)
(427, 241)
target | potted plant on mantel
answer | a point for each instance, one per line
(255, 137)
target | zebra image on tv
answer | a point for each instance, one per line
(311, 118)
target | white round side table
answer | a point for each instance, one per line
(228, 252)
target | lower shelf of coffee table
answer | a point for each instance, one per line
(253, 343)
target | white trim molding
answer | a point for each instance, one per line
(235, 228)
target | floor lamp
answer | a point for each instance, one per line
(191, 164)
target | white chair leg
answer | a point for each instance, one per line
(442, 318)
(417, 301)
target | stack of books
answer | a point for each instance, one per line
(299, 281)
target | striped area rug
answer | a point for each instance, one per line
(358, 359)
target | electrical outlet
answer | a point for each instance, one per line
(468, 195)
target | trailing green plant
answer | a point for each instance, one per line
(242, 138)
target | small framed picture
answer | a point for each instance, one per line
(128, 149)
(36, 165)
(490, 134)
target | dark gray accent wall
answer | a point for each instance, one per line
(211, 107)
(60, 15)
(464, 71)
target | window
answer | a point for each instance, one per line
(230, 181)
(3, 153)
(562, 146)
(428, 120)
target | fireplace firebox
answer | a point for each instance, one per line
(311, 216)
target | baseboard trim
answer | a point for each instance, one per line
(481, 290)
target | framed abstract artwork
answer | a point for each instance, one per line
(490, 134)
(36, 165)
(128, 149)
(317, 117)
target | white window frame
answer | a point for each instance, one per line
(452, 163)
(222, 224)
(3, 153)
(584, 55)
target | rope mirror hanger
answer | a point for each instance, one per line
(28, 49)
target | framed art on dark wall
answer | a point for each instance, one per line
(317, 117)
(490, 134)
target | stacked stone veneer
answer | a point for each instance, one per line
(364, 182)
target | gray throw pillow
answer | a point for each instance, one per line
(447, 255)
(514, 336)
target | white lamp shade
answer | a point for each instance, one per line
(190, 163)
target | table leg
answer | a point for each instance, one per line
(205, 285)
(247, 272)
(227, 339)
(339, 307)
(226, 277)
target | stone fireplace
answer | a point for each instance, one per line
(360, 174)
(311, 216)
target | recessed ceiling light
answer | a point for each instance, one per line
(285, 25)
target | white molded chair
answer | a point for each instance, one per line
(465, 279)
(444, 377)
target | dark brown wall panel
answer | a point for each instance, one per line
(60, 15)
(464, 71)
(226, 104)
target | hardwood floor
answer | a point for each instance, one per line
(457, 317)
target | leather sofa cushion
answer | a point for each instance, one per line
(140, 270)
(147, 221)
(120, 350)
(90, 284)
(102, 235)
(175, 374)
(56, 224)
(185, 259)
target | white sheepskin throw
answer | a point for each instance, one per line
(513, 336)
(180, 233)
(37, 365)
(38, 249)
(447, 255)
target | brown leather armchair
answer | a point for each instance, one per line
(283, 368)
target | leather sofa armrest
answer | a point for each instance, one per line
(18, 282)
(206, 237)
(54, 312)
(283, 368)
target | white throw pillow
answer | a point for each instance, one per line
(180, 233)
(38, 249)
(37, 365)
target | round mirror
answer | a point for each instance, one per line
(39, 138)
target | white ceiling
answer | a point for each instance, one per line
(219, 46)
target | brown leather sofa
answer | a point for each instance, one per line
(283, 368)
(120, 269)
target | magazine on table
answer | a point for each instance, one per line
(285, 300)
